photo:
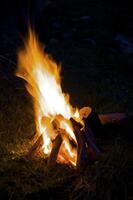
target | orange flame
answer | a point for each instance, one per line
(50, 104)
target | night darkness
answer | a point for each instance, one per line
(93, 42)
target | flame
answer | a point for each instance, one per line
(50, 104)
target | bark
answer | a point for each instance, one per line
(81, 151)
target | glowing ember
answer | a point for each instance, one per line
(51, 105)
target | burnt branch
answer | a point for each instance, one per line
(54, 153)
(81, 151)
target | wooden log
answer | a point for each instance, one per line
(97, 124)
(54, 153)
(90, 140)
(93, 123)
(93, 127)
(108, 118)
(81, 151)
(111, 118)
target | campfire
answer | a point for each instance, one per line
(62, 131)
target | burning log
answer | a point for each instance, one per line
(86, 143)
(92, 127)
(92, 123)
(96, 123)
(54, 153)
(81, 151)
(90, 140)
(108, 118)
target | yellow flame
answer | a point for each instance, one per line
(44, 83)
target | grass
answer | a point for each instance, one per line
(33, 180)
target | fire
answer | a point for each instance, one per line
(52, 106)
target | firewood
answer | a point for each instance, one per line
(111, 118)
(93, 123)
(54, 153)
(97, 124)
(93, 127)
(81, 147)
(84, 112)
(108, 118)
(90, 140)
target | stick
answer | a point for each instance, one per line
(90, 140)
(82, 151)
(108, 118)
(54, 153)
(92, 126)
(112, 118)
(94, 123)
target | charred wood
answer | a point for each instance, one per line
(93, 127)
(93, 123)
(54, 153)
(81, 145)
(111, 118)
(90, 140)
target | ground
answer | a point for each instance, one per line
(96, 71)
